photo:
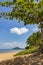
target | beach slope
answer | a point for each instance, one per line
(25, 60)
(7, 56)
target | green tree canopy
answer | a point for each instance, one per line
(29, 11)
(34, 39)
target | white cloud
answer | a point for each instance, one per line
(19, 31)
(9, 45)
(36, 29)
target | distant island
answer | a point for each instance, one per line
(18, 48)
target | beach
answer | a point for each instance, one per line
(22, 60)
(7, 56)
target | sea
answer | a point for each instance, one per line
(9, 50)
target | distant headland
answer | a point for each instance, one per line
(18, 48)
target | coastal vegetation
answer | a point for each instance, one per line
(32, 49)
(33, 43)
(34, 40)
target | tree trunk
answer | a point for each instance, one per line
(40, 50)
(41, 24)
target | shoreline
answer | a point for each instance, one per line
(7, 56)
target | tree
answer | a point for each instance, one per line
(34, 39)
(29, 11)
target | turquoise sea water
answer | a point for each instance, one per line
(9, 50)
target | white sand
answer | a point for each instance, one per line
(7, 56)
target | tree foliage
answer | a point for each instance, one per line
(34, 39)
(29, 11)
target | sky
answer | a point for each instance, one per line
(12, 33)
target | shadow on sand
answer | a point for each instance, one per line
(26, 60)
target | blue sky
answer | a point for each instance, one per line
(12, 33)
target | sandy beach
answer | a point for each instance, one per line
(22, 60)
(7, 56)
